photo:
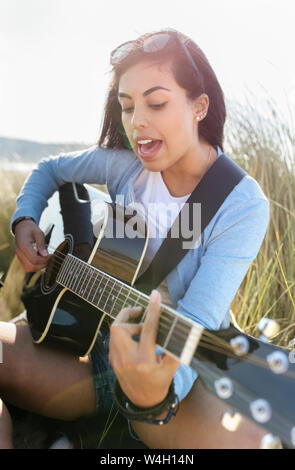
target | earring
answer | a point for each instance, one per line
(198, 118)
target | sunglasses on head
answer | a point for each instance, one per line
(153, 43)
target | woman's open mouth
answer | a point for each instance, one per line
(148, 148)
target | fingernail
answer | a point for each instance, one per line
(154, 296)
(44, 252)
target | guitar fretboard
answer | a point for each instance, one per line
(175, 334)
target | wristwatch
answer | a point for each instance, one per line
(20, 219)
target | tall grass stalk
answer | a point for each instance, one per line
(10, 185)
(262, 142)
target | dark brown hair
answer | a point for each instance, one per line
(210, 128)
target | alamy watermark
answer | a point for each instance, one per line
(158, 217)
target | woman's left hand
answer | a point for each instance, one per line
(144, 376)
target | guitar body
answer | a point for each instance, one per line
(58, 316)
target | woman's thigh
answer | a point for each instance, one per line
(42, 379)
(197, 425)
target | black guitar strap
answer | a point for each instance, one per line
(211, 192)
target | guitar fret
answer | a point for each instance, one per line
(175, 334)
(114, 297)
(93, 298)
(76, 276)
(87, 279)
(110, 298)
(81, 280)
(126, 298)
(92, 282)
(115, 302)
(118, 306)
(72, 270)
(102, 293)
(79, 287)
(66, 272)
(178, 345)
(83, 277)
(170, 333)
(134, 297)
(99, 291)
(165, 323)
(62, 271)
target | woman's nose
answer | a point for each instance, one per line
(139, 118)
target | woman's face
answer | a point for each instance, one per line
(157, 108)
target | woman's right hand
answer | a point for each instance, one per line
(30, 246)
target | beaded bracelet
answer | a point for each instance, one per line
(147, 415)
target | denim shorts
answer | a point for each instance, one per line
(104, 380)
(103, 374)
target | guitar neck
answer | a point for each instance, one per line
(176, 335)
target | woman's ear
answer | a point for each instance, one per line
(201, 106)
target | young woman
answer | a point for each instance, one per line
(162, 131)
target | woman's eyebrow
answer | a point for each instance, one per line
(145, 93)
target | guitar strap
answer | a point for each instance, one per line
(210, 192)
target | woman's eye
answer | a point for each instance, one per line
(158, 106)
(153, 106)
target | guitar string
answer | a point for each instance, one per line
(225, 345)
(140, 304)
(138, 301)
(177, 330)
(210, 337)
(121, 303)
(162, 318)
(120, 290)
(208, 343)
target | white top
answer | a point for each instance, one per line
(158, 208)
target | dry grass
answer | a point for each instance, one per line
(10, 305)
(263, 144)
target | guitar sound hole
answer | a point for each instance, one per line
(54, 265)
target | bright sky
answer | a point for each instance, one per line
(54, 55)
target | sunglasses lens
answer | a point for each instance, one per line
(122, 52)
(156, 43)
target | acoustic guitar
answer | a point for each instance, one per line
(91, 279)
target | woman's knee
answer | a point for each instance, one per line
(6, 440)
(42, 379)
(13, 349)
